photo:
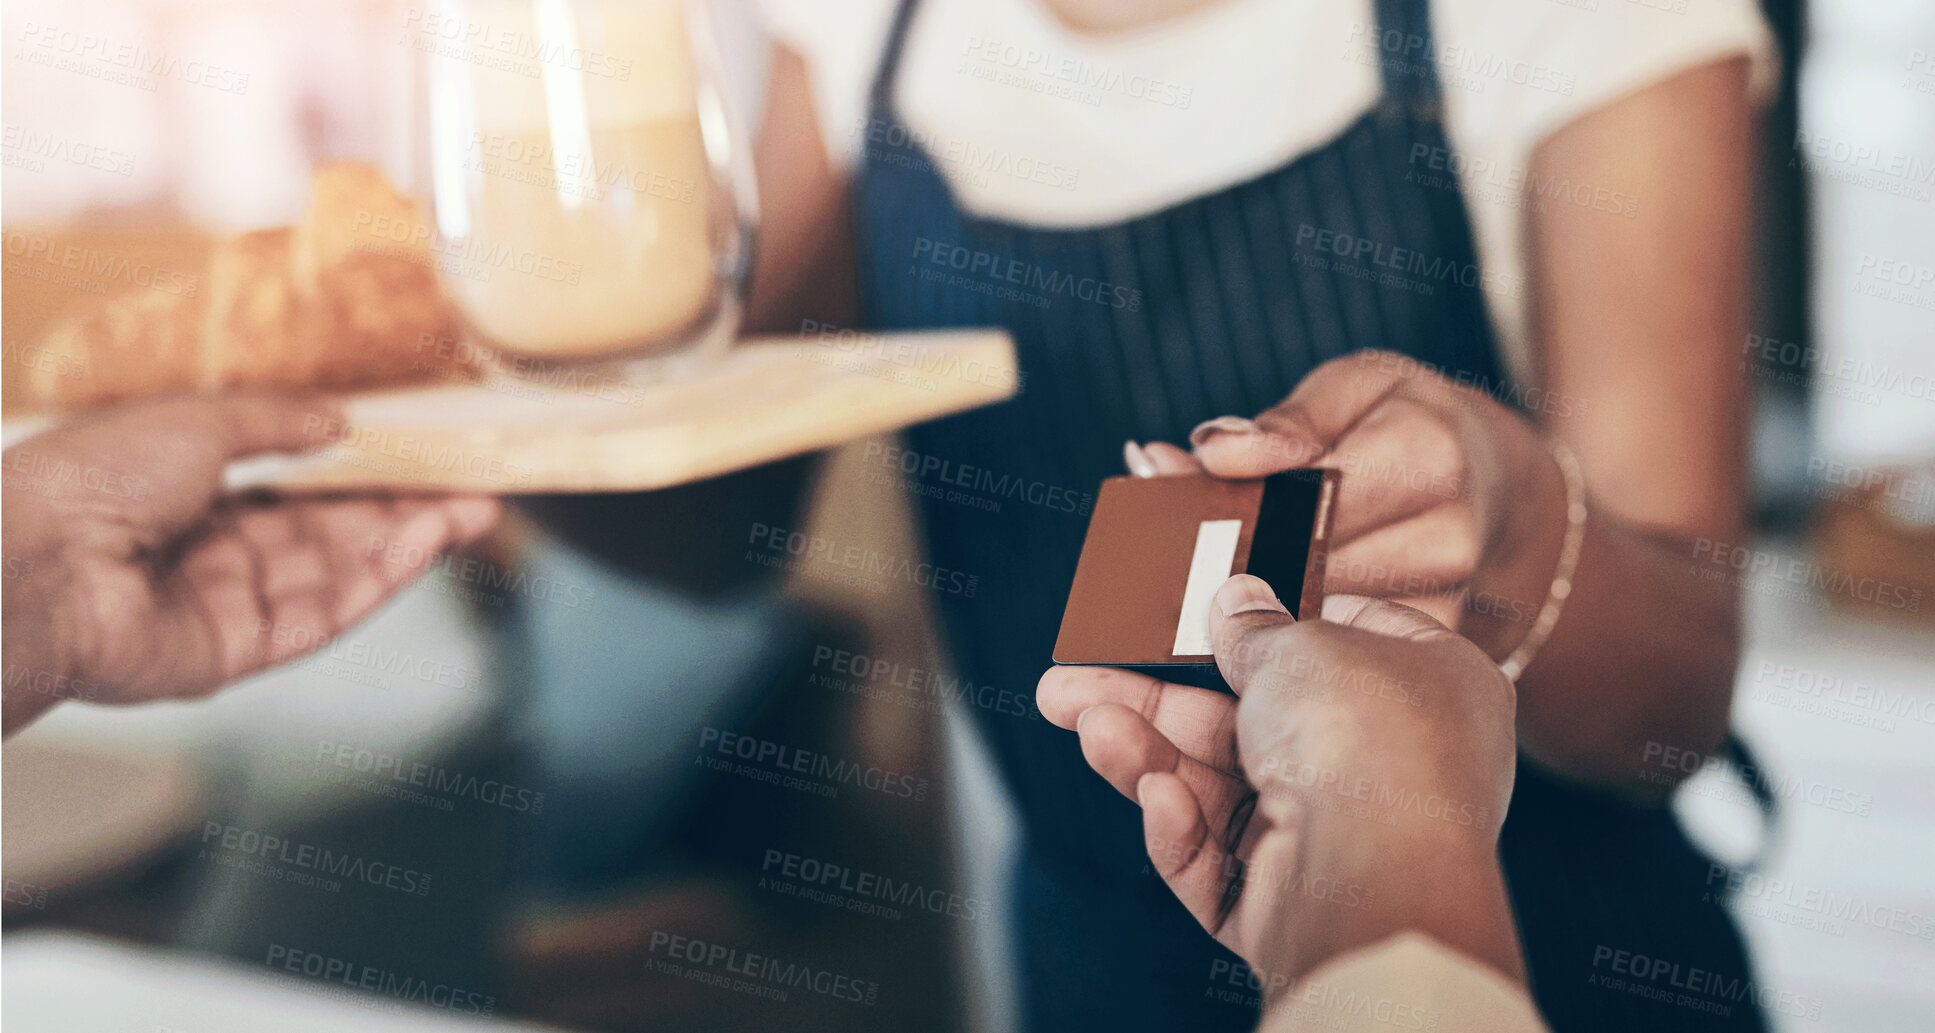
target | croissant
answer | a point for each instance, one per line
(331, 303)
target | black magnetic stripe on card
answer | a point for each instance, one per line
(1280, 548)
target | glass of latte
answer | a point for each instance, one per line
(591, 193)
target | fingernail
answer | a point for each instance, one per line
(1222, 425)
(1138, 790)
(1079, 718)
(1243, 593)
(1137, 460)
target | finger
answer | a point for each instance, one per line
(1171, 461)
(1244, 614)
(1157, 459)
(1402, 459)
(1239, 449)
(1199, 721)
(225, 427)
(1303, 426)
(1181, 849)
(1273, 868)
(1431, 553)
(1122, 747)
(395, 551)
(1447, 609)
(297, 625)
(472, 516)
(214, 588)
(172, 452)
(289, 556)
(252, 424)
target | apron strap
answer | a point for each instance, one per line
(880, 95)
(1407, 58)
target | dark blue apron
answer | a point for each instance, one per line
(1141, 330)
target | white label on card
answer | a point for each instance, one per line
(1208, 569)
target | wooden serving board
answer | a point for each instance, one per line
(653, 426)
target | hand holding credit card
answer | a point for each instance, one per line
(1159, 547)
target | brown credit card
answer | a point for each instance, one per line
(1158, 548)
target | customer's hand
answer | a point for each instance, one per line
(1449, 501)
(1353, 788)
(131, 576)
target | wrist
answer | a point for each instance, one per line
(1509, 591)
(1445, 884)
(36, 626)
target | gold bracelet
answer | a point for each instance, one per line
(1575, 540)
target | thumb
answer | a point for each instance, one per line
(1243, 621)
(1246, 622)
(251, 424)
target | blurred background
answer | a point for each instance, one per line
(542, 774)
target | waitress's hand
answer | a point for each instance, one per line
(1449, 501)
(132, 576)
(1352, 789)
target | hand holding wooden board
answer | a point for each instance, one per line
(587, 430)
